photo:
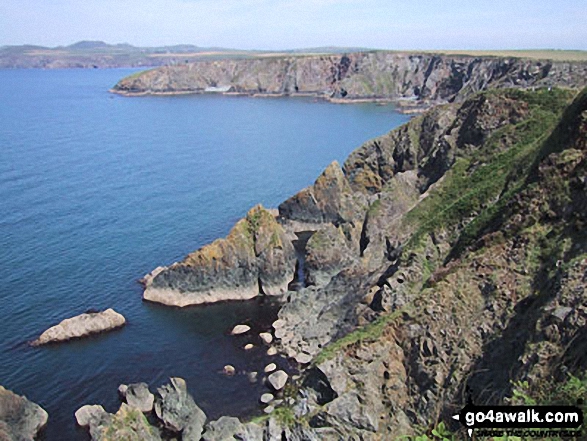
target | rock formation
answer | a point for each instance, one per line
(255, 258)
(81, 326)
(20, 419)
(407, 78)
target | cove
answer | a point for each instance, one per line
(97, 190)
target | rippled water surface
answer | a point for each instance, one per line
(97, 189)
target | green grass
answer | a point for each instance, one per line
(474, 183)
(366, 334)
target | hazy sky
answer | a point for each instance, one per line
(285, 24)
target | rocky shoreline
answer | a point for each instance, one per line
(413, 82)
(446, 258)
(410, 238)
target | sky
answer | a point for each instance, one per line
(289, 24)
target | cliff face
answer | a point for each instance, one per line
(423, 78)
(448, 256)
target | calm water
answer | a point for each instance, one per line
(96, 190)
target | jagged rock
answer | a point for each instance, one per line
(255, 258)
(327, 252)
(277, 380)
(20, 419)
(224, 429)
(266, 337)
(240, 329)
(266, 398)
(229, 370)
(178, 410)
(138, 396)
(81, 326)
(330, 199)
(270, 367)
(90, 414)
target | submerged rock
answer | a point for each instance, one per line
(81, 326)
(20, 419)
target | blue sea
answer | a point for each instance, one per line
(97, 189)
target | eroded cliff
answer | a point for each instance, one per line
(408, 79)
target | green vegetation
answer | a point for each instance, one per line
(473, 183)
(366, 334)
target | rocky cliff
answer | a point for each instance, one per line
(255, 258)
(447, 258)
(409, 79)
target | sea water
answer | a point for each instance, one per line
(98, 189)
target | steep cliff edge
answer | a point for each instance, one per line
(409, 79)
(446, 257)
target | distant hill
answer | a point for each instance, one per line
(98, 54)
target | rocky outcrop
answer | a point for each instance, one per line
(128, 423)
(137, 396)
(408, 78)
(20, 419)
(255, 258)
(178, 411)
(175, 416)
(81, 326)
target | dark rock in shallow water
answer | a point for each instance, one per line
(178, 411)
(255, 258)
(20, 419)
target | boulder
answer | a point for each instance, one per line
(272, 351)
(249, 346)
(20, 419)
(266, 398)
(138, 396)
(303, 358)
(270, 367)
(277, 380)
(240, 329)
(229, 370)
(266, 337)
(81, 326)
(90, 414)
(178, 410)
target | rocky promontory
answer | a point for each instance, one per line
(20, 419)
(81, 326)
(256, 258)
(413, 80)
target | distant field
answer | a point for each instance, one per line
(546, 54)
